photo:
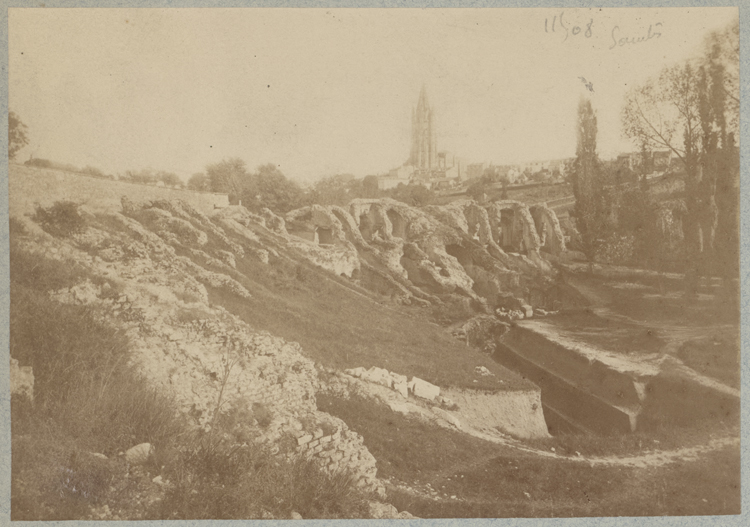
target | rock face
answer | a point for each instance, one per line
(479, 252)
(162, 259)
(168, 255)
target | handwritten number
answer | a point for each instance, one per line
(576, 30)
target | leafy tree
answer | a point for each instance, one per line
(587, 181)
(199, 181)
(336, 190)
(414, 195)
(170, 179)
(692, 110)
(229, 176)
(370, 187)
(480, 188)
(269, 187)
(17, 137)
(144, 177)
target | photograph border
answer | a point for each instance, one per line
(744, 14)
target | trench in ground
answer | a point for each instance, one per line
(584, 396)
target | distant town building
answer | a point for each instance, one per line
(424, 155)
(425, 165)
(660, 160)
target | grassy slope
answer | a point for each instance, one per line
(87, 399)
(490, 480)
(342, 326)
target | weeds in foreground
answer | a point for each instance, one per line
(90, 401)
(229, 482)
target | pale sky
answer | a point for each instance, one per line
(326, 91)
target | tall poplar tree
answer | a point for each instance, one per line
(588, 186)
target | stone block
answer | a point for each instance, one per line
(301, 440)
(378, 376)
(423, 389)
(527, 310)
(139, 454)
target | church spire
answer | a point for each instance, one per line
(424, 144)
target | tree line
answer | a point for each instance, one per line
(691, 110)
(268, 187)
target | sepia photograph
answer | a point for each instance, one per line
(373, 263)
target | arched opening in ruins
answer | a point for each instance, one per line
(398, 224)
(370, 226)
(508, 238)
(324, 236)
(346, 223)
(302, 227)
(366, 226)
(550, 238)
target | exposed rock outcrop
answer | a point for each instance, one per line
(463, 248)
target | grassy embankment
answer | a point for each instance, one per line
(343, 326)
(89, 400)
(458, 476)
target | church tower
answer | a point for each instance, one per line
(423, 139)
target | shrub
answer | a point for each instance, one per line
(38, 162)
(62, 219)
(231, 482)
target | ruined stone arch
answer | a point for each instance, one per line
(515, 227)
(547, 225)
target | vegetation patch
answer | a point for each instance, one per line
(62, 218)
(90, 405)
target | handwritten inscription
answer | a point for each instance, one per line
(550, 27)
(568, 28)
(617, 40)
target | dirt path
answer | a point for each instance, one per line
(654, 458)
